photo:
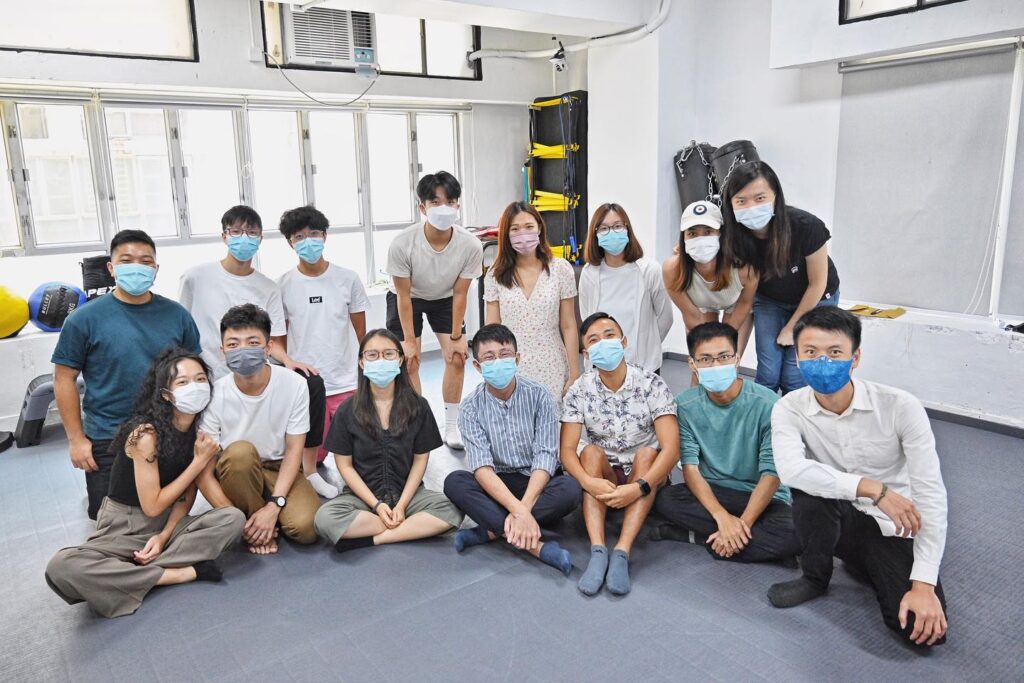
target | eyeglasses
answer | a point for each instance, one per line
(387, 354)
(488, 357)
(605, 229)
(238, 232)
(708, 361)
(312, 234)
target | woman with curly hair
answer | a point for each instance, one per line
(144, 535)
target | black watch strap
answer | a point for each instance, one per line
(645, 488)
(279, 501)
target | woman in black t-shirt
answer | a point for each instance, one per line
(381, 439)
(788, 248)
(144, 535)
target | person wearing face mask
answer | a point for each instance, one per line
(534, 295)
(325, 311)
(431, 265)
(731, 501)
(618, 280)
(619, 440)
(145, 536)
(111, 342)
(210, 289)
(381, 439)
(788, 248)
(860, 459)
(514, 485)
(703, 285)
(260, 415)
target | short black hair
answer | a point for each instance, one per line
(593, 318)
(245, 316)
(708, 331)
(130, 237)
(495, 332)
(240, 214)
(426, 188)
(301, 218)
(831, 319)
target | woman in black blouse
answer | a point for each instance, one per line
(144, 535)
(381, 439)
(789, 249)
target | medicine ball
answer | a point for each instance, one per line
(51, 304)
(13, 313)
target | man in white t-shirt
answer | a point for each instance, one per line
(208, 290)
(325, 308)
(431, 266)
(260, 415)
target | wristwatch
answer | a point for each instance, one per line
(645, 488)
(279, 501)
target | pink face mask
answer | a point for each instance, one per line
(525, 242)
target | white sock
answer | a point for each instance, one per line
(451, 415)
(322, 486)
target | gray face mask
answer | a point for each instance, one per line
(247, 361)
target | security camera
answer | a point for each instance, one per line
(558, 59)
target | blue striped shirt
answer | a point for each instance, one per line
(518, 435)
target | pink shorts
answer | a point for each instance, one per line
(333, 403)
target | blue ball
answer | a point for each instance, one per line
(51, 303)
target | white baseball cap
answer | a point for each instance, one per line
(701, 213)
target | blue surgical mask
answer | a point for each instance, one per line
(826, 375)
(613, 243)
(499, 373)
(310, 249)
(606, 354)
(243, 247)
(717, 377)
(381, 372)
(756, 217)
(134, 278)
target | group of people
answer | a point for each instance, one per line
(840, 468)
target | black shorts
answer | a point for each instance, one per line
(438, 312)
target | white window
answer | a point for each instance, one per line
(336, 181)
(142, 175)
(211, 180)
(391, 195)
(276, 164)
(447, 45)
(399, 44)
(8, 208)
(435, 142)
(856, 10)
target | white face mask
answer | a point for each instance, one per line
(192, 398)
(442, 217)
(702, 249)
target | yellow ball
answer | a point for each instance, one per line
(13, 313)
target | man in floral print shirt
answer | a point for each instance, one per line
(619, 440)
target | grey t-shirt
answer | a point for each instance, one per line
(434, 273)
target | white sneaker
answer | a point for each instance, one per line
(453, 438)
(323, 488)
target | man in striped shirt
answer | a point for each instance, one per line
(510, 428)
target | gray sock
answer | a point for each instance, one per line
(593, 578)
(618, 573)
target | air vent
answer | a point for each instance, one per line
(323, 36)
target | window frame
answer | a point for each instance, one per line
(918, 6)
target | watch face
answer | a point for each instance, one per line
(279, 500)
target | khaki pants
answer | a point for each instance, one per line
(249, 481)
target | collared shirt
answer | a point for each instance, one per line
(884, 435)
(620, 421)
(517, 435)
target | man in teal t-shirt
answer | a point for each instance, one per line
(732, 500)
(112, 341)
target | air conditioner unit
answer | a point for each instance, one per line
(323, 36)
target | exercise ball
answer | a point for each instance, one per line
(13, 313)
(51, 304)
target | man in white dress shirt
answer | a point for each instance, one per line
(860, 460)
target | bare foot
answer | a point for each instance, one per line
(265, 549)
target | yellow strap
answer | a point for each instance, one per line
(551, 103)
(552, 151)
(871, 312)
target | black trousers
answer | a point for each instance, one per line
(828, 528)
(97, 483)
(561, 496)
(317, 409)
(772, 536)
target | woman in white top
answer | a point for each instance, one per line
(700, 282)
(534, 294)
(619, 281)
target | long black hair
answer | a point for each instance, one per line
(683, 274)
(152, 408)
(739, 244)
(406, 403)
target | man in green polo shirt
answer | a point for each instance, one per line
(732, 501)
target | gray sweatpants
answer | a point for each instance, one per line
(102, 571)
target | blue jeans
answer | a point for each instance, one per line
(776, 365)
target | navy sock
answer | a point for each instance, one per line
(345, 544)
(558, 557)
(208, 571)
(618, 573)
(465, 538)
(593, 578)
